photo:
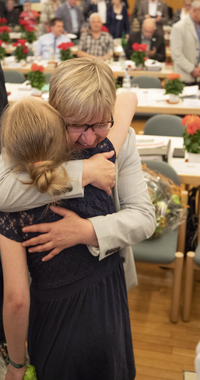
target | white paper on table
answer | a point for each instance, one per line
(191, 103)
(187, 167)
(190, 91)
(16, 95)
(24, 86)
(153, 94)
(144, 143)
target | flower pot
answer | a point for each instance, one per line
(139, 67)
(173, 99)
(194, 157)
(35, 91)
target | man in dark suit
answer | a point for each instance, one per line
(71, 16)
(154, 41)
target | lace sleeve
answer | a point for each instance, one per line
(10, 226)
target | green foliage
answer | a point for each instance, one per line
(30, 37)
(138, 57)
(36, 79)
(19, 53)
(174, 86)
(192, 142)
(2, 52)
(5, 37)
(30, 373)
(65, 54)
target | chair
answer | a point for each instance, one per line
(168, 249)
(146, 82)
(13, 76)
(192, 264)
(47, 77)
(164, 125)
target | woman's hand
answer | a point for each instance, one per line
(15, 373)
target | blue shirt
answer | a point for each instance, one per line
(45, 45)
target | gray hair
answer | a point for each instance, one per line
(196, 4)
(95, 14)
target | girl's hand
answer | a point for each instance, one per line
(15, 373)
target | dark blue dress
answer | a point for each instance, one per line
(79, 326)
(117, 24)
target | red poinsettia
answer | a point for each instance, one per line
(21, 50)
(4, 33)
(65, 45)
(3, 21)
(139, 47)
(191, 135)
(36, 77)
(138, 55)
(36, 67)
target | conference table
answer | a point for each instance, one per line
(10, 64)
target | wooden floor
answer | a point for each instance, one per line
(162, 349)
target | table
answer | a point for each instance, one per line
(153, 101)
(115, 66)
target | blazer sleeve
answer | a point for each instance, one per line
(17, 196)
(160, 51)
(3, 93)
(165, 15)
(136, 219)
(177, 43)
(141, 13)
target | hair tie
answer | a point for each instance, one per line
(37, 162)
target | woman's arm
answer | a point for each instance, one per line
(16, 302)
(124, 111)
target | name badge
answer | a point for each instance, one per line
(159, 13)
(119, 17)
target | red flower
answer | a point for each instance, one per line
(6, 29)
(25, 51)
(22, 42)
(22, 22)
(28, 28)
(143, 47)
(145, 58)
(65, 45)
(34, 67)
(192, 123)
(1, 42)
(41, 69)
(15, 44)
(3, 20)
(135, 46)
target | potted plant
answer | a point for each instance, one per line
(4, 34)
(173, 87)
(2, 50)
(65, 51)
(191, 137)
(36, 79)
(30, 34)
(138, 55)
(21, 51)
(3, 21)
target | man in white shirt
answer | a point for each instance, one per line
(47, 45)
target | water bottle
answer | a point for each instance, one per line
(126, 80)
(122, 58)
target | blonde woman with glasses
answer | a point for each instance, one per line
(79, 324)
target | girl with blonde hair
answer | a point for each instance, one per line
(77, 306)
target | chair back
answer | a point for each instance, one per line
(164, 125)
(13, 76)
(146, 82)
(164, 169)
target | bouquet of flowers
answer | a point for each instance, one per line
(2, 50)
(28, 32)
(36, 77)
(138, 55)
(173, 84)
(21, 51)
(191, 135)
(65, 51)
(4, 33)
(165, 196)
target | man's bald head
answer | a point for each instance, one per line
(148, 27)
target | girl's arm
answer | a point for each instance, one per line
(16, 303)
(124, 111)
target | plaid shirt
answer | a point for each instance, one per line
(96, 46)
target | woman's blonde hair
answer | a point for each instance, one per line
(34, 139)
(83, 89)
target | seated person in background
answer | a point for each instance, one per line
(48, 12)
(156, 10)
(11, 14)
(2, 9)
(95, 43)
(100, 7)
(47, 44)
(71, 16)
(181, 13)
(117, 19)
(185, 40)
(29, 15)
(154, 41)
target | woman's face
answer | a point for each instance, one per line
(187, 5)
(89, 138)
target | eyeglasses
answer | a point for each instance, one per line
(99, 127)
